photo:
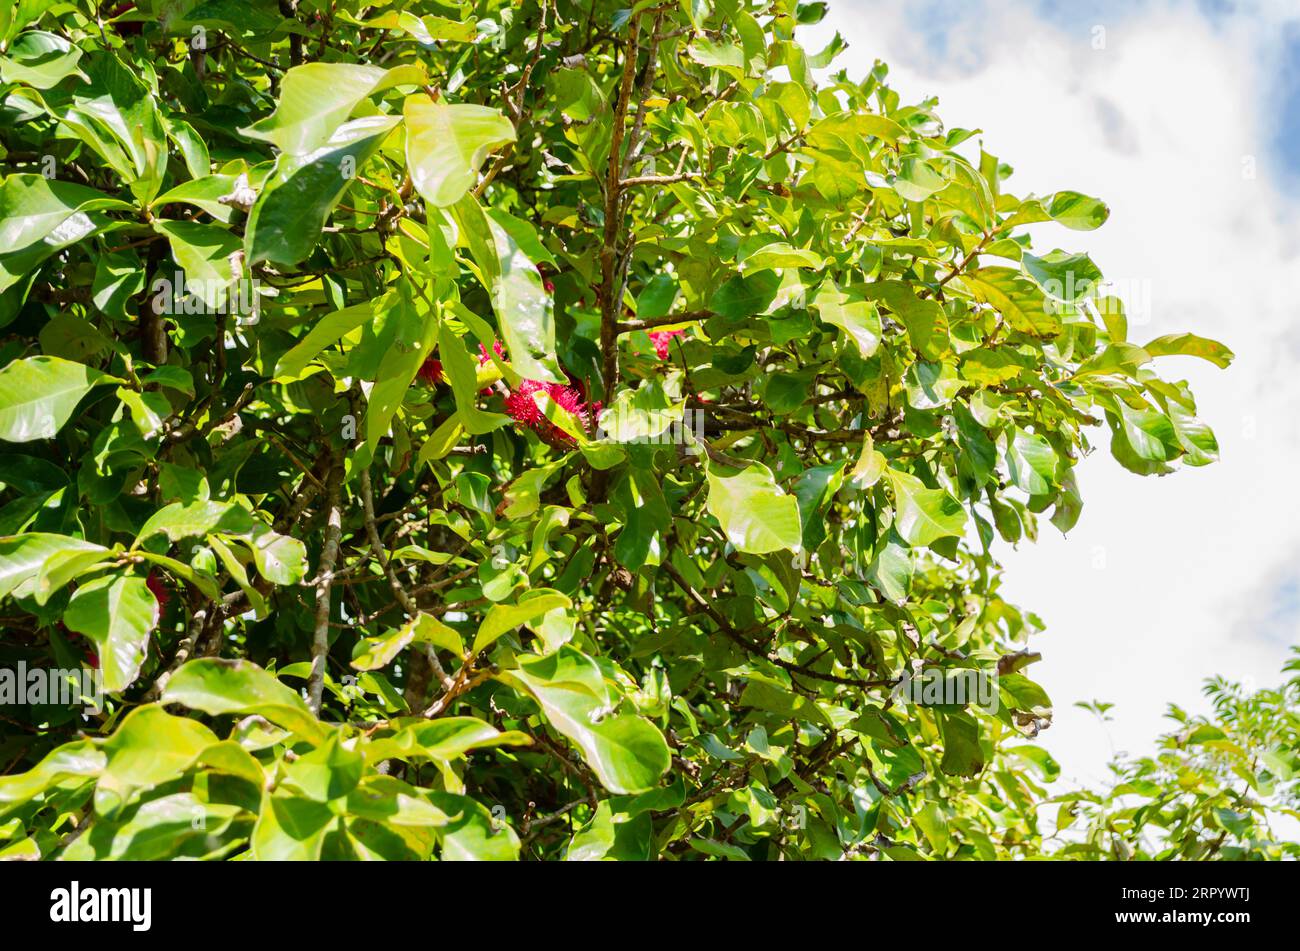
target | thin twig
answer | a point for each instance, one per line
(324, 581)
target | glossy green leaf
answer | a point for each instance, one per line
(39, 394)
(303, 189)
(626, 752)
(316, 99)
(116, 612)
(447, 142)
(756, 515)
(923, 516)
(217, 686)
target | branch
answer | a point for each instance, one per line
(609, 299)
(659, 179)
(183, 653)
(324, 580)
(465, 681)
(628, 326)
(966, 260)
(408, 604)
(757, 649)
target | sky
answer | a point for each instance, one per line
(1184, 116)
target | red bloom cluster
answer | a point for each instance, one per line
(431, 371)
(662, 339)
(156, 585)
(523, 409)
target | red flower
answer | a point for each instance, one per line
(484, 357)
(523, 409)
(156, 584)
(662, 339)
(549, 286)
(431, 371)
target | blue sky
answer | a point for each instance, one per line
(1288, 96)
(945, 26)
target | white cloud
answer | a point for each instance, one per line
(1163, 122)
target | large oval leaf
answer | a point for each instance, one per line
(756, 515)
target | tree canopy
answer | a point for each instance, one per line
(547, 430)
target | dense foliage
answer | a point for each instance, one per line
(546, 429)
(1222, 786)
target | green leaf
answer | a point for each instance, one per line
(22, 558)
(1115, 358)
(149, 747)
(1078, 212)
(917, 181)
(396, 373)
(989, 367)
(303, 189)
(870, 466)
(39, 59)
(426, 30)
(657, 297)
(182, 520)
(280, 559)
(290, 828)
(850, 312)
(170, 827)
(1072, 209)
(324, 332)
(388, 800)
(922, 515)
(1190, 345)
(38, 216)
(38, 395)
(62, 567)
(814, 489)
(461, 372)
(372, 653)
(215, 685)
(503, 618)
(962, 755)
(1149, 433)
(117, 115)
(1032, 463)
(781, 700)
(444, 739)
(522, 306)
(328, 772)
(447, 142)
(756, 515)
(116, 612)
(474, 836)
(1015, 297)
(317, 98)
(1063, 277)
(205, 193)
(78, 760)
(725, 56)
(780, 254)
(927, 327)
(627, 753)
(205, 253)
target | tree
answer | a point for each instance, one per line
(1216, 789)
(546, 429)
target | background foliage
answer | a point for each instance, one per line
(495, 430)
